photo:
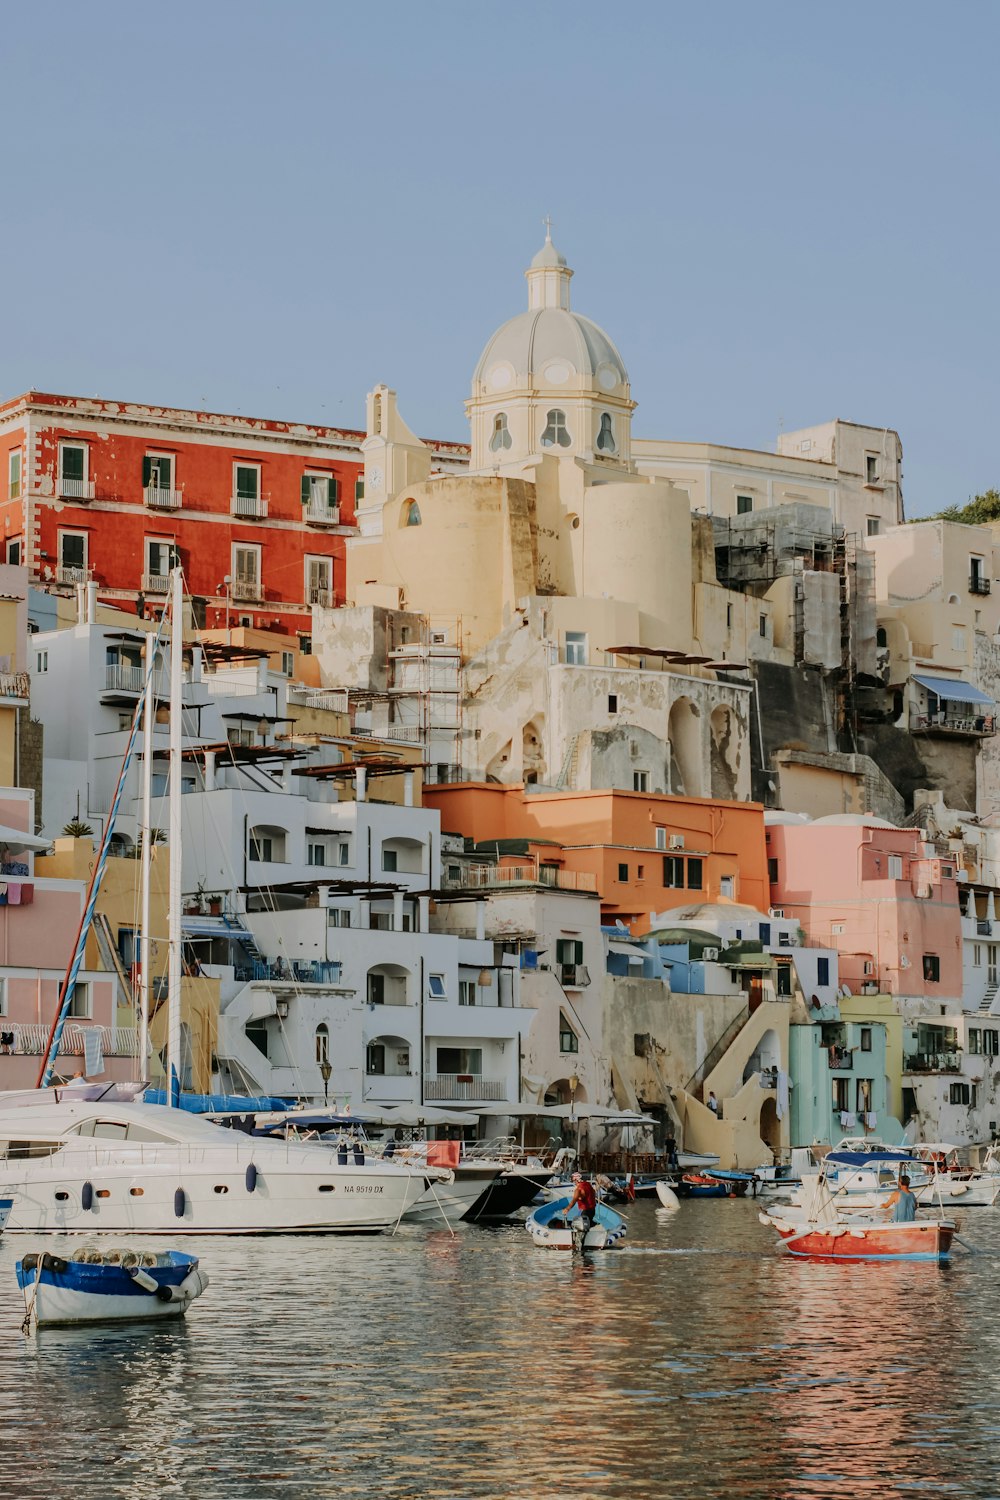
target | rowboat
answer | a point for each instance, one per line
(551, 1230)
(108, 1286)
(701, 1185)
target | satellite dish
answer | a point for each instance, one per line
(620, 925)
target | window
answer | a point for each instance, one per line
(783, 980)
(612, 703)
(321, 491)
(932, 968)
(822, 971)
(158, 472)
(623, 872)
(874, 525)
(975, 1040)
(695, 872)
(977, 955)
(462, 1060)
(80, 1005)
(72, 469)
(246, 571)
(390, 860)
(322, 1042)
(727, 885)
(359, 489)
(729, 617)
(435, 987)
(673, 872)
(568, 1039)
(959, 1093)
(764, 933)
(895, 867)
(871, 468)
(375, 1057)
(606, 437)
(14, 474)
(990, 1043)
(772, 871)
(411, 514)
(882, 638)
(376, 989)
(315, 854)
(744, 505)
(640, 781)
(555, 433)
(161, 557)
(237, 736)
(958, 639)
(14, 552)
(466, 992)
(575, 648)
(246, 481)
(841, 1094)
(762, 626)
(661, 838)
(72, 557)
(41, 661)
(345, 853)
(338, 916)
(501, 435)
(569, 952)
(319, 580)
(866, 1039)
(260, 846)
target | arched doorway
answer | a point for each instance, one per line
(687, 776)
(770, 1126)
(723, 752)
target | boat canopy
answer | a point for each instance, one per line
(871, 1158)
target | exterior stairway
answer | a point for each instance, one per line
(986, 1003)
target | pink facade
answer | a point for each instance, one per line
(880, 896)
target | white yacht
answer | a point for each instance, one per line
(107, 1166)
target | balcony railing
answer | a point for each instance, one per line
(954, 723)
(156, 583)
(978, 584)
(482, 877)
(933, 1062)
(464, 1086)
(574, 976)
(158, 498)
(248, 507)
(336, 699)
(122, 678)
(76, 489)
(841, 1059)
(984, 928)
(246, 588)
(31, 1039)
(66, 574)
(319, 595)
(318, 513)
(15, 685)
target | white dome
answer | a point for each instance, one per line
(549, 346)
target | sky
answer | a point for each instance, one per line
(781, 213)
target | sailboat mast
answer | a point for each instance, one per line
(145, 936)
(174, 903)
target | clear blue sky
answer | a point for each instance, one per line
(782, 213)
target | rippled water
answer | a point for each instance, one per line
(696, 1362)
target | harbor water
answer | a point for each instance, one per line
(698, 1361)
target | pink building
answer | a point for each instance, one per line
(880, 895)
(38, 925)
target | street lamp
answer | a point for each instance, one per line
(325, 1069)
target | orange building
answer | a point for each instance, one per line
(646, 852)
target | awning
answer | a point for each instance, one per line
(634, 955)
(952, 689)
(419, 1114)
(213, 927)
(16, 838)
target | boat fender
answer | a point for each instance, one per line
(341, 1156)
(87, 1196)
(29, 1262)
(54, 1263)
(143, 1279)
(252, 1177)
(192, 1286)
(179, 1200)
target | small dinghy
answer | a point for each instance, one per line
(701, 1185)
(550, 1229)
(108, 1286)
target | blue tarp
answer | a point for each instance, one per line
(217, 1104)
(870, 1158)
(953, 689)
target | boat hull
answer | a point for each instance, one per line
(512, 1190)
(546, 1227)
(446, 1203)
(60, 1292)
(915, 1241)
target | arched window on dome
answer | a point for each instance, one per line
(411, 514)
(555, 434)
(606, 437)
(501, 434)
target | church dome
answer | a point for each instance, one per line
(549, 345)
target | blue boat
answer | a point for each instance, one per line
(551, 1230)
(108, 1286)
(709, 1185)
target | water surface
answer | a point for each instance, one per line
(695, 1362)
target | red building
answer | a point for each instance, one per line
(256, 511)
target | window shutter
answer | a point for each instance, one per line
(147, 470)
(334, 490)
(306, 490)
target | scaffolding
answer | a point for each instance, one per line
(424, 681)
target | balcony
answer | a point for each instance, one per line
(157, 498)
(933, 1062)
(15, 687)
(978, 726)
(574, 976)
(248, 507)
(978, 584)
(156, 583)
(67, 574)
(984, 928)
(321, 596)
(486, 877)
(319, 513)
(840, 1059)
(464, 1086)
(76, 489)
(247, 588)
(31, 1039)
(121, 677)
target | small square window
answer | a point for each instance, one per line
(640, 781)
(14, 552)
(435, 987)
(695, 874)
(762, 626)
(390, 860)
(874, 525)
(932, 968)
(866, 1039)
(823, 971)
(287, 663)
(612, 703)
(772, 872)
(744, 505)
(623, 872)
(871, 468)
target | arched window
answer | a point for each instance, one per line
(501, 436)
(555, 434)
(606, 437)
(881, 637)
(322, 1042)
(411, 514)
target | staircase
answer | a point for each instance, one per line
(566, 780)
(258, 963)
(696, 1083)
(986, 1003)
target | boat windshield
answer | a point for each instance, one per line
(119, 1130)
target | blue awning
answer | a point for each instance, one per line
(954, 689)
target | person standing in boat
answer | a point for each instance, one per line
(902, 1203)
(584, 1198)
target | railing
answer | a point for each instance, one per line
(716, 1052)
(574, 976)
(482, 877)
(248, 507)
(954, 723)
(318, 513)
(76, 489)
(156, 583)
(932, 1062)
(15, 684)
(246, 588)
(31, 1039)
(978, 584)
(222, 686)
(984, 928)
(402, 732)
(310, 698)
(124, 679)
(464, 1086)
(65, 574)
(841, 1059)
(321, 596)
(161, 499)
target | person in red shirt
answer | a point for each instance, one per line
(584, 1198)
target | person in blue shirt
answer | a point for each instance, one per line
(902, 1203)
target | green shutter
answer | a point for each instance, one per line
(147, 470)
(334, 491)
(306, 490)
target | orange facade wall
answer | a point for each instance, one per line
(637, 846)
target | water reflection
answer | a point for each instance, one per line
(697, 1362)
